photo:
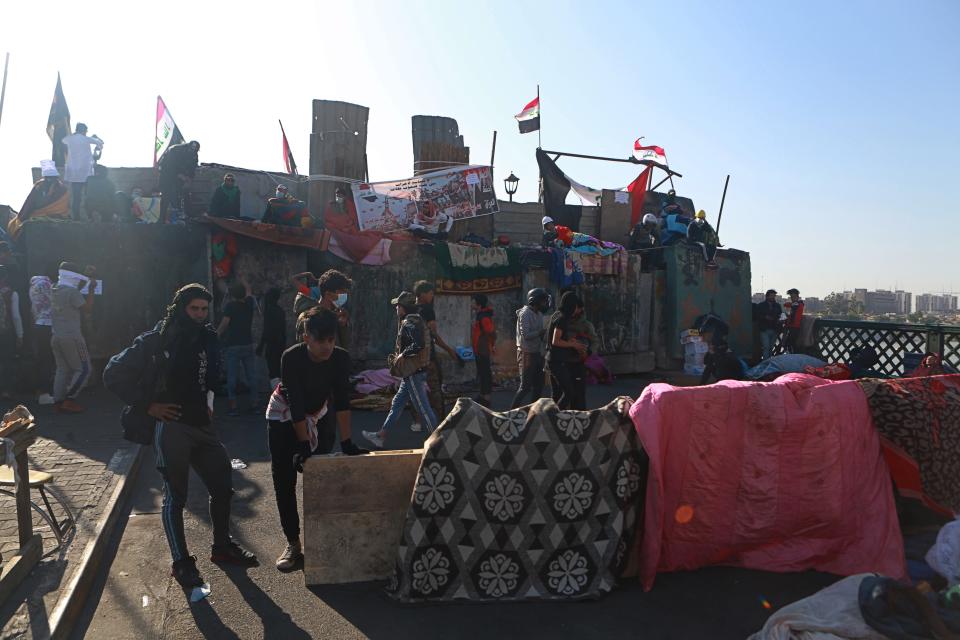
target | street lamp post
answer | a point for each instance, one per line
(510, 184)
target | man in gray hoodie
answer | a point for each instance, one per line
(530, 332)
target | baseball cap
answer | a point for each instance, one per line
(406, 299)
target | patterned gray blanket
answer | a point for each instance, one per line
(531, 504)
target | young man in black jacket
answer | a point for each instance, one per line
(166, 378)
(306, 411)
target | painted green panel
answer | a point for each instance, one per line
(693, 290)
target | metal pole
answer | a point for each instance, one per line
(540, 111)
(722, 200)
(493, 153)
(3, 91)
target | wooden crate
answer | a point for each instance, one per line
(353, 511)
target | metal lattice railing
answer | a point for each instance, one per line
(837, 338)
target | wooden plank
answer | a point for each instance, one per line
(353, 511)
(24, 517)
(351, 547)
(19, 566)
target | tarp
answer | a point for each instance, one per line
(531, 504)
(779, 476)
(280, 234)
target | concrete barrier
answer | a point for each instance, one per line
(353, 512)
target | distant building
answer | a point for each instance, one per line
(881, 301)
(933, 303)
(812, 304)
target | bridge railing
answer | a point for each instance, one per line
(837, 338)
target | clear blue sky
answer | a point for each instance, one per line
(837, 120)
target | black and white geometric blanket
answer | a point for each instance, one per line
(531, 504)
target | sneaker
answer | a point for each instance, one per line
(233, 553)
(416, 427)
(45, 399)
(374, 437)
(69, 406)
(291, 557)
(185, 572)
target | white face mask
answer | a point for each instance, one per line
(340, 199)
(341, 300)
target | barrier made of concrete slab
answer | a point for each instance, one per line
(353, 512)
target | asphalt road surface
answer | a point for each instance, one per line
(136, 598)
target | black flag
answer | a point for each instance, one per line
(556, 186)
(58, 125)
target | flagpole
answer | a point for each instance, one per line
(3, 91)
(540, 108)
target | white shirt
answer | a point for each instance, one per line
(79, 157)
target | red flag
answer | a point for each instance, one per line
(638, 189)
(287, 154)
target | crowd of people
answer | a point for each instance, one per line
(167, 379)
(670, 226)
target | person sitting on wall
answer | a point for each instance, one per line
(701, 233)
(341, 213)
(674, 228)
(225, 202)
(557, 235)
(645, 234)
(285, 210)
(101, 202)
(48, 198)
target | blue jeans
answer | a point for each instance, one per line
(768, 338)
(413, 389)
(241, 356)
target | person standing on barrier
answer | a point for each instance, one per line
(408, 362)
(565, 356)
(166, 378)
(306, 411)
(530, 334)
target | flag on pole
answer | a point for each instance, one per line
(638, 189)
(529, 118)
(168, 133)
(58, 124)
(287, 153)
(652, 154)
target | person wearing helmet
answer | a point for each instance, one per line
(645, 234)
(701, 233)
(530, 333)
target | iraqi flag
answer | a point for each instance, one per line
(167, 132)
(529, 118)
(288, 160)
(649, 155)
(58, 124)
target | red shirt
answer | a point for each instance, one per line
(794, 313)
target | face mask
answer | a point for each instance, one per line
(339, 199)
(341, 300)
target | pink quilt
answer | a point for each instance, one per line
(780, 476)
